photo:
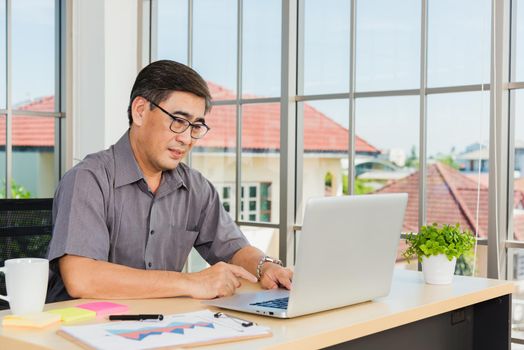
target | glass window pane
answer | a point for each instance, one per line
(3, 54)
(215, 43)
(325, 149)
(388, 45)
(265, 239)
(34, 168)
(262, 26)
(261, 160)
(172, 30)
(516, 274)
(326, 46)
(387, 148)
(2, 155)
(33, 23)
(518, 183)
(386, 159)
(458, 42)
(457, 173)
(214, 154)
(519, 40)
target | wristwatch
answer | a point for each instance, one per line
(263, 260)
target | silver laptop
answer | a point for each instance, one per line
(346, 255)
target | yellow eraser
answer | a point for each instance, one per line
(36, 320)
(70, 314)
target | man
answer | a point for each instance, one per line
(125, 219)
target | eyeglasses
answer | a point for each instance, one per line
(180, 125)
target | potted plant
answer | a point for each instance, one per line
(438, 248)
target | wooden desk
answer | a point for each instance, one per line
(471, 313)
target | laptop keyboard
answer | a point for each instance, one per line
(280, 303)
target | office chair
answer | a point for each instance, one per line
(25, 231)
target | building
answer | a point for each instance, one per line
(325, 153)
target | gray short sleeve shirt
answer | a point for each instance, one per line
(104, 210)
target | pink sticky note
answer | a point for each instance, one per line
(104, 308)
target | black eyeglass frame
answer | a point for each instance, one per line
(184, 121)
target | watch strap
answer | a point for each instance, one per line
(263, 260)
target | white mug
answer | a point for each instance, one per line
(26, 284)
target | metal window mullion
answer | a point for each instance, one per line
(59, 31)
(458, 88)
(64, 64)
(288, 130)
(190, 53)
(299, 145)
(516, 85)
(238, 108)
(190, 33)
(153, 29)
(423, 113)
(498, 144)
(387, 93)
(511, 117)
(351, 98)
(145, 32)
(187, 266)
(9, 115)
(39, 113)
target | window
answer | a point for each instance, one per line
(326, 47)
(31, 112)
(388, 45)
(255, 200)
(416, 107)
(458, 42)
(518, 40)
(393, 166)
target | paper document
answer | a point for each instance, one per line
(195, 328)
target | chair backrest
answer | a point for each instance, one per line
(25, 231)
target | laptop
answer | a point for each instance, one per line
(346, 255)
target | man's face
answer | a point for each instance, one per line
(159, 148)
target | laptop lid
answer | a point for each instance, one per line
(346, 251)
(346, 255)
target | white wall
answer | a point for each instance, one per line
(104, 66)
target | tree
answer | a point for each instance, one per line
(360, 186)
(412, 161)
(17, 191)
(449, 161)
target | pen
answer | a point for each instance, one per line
(241, 321)
(140, 317)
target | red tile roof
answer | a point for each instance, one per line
(261, 127)
(31, 131)
(518, 184)
(452, 198)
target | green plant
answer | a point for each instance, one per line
(434, 240)
(361, 186)
(17, 191)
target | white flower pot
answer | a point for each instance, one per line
(438, 269)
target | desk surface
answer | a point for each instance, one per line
(410, 300)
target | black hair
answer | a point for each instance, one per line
(159, 79)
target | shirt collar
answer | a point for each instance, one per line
(127, 170)
(126, 167)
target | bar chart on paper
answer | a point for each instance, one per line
(195, 328)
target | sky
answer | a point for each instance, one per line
(387, 58)
(33, 49)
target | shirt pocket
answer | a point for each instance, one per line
(179, 246)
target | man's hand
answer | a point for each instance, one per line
(274, 275)
(219, 280)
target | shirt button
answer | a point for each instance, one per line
(149, 264)
(152, 232)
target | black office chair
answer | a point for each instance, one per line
(25, 231)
